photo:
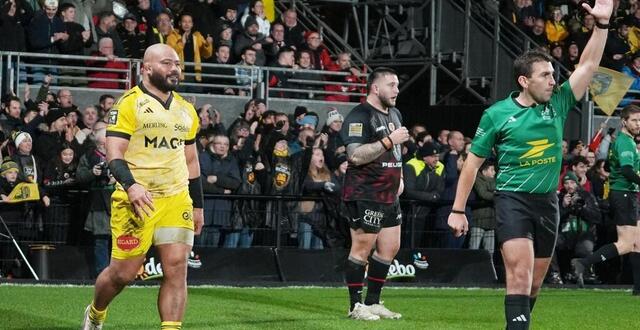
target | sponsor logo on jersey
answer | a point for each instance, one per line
(392, 164)
(162, 142)
(127, 242)
(148, 110)
(180, 128)
(187, 215)
(392, 127)
(355, 129)
(154, 125)
(535, 155)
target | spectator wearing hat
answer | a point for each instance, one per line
(251, 37)
(229, 18)
(335, 145)
(99, 78)
(484, 215)
(579, 213)
(133, 40)
(225, 36)
(191, 46)
(256, 10)
(321, 58)
(158, 32)
(422, 177)
(49, 142)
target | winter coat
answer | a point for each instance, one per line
(484, 216)
(228, 177)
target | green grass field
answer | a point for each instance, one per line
(61, 307)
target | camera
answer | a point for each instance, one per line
(279, 124)
(310, 140)
(104, 167)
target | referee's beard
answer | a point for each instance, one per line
(166, 83)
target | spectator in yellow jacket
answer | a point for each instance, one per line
(555, 27)
(191, 46)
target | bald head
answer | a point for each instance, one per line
(161, 67)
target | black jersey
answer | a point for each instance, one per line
(379, 180)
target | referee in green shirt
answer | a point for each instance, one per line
(623, 200)
(526, 131)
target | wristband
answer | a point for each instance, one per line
(602, 26)
(195, 191)
(121, 172)
(457, 212)
(386, 144)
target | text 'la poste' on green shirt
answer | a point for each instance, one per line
(528, 141)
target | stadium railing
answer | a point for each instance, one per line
(70, 70)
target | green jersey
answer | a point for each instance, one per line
(527, 140)
(623, 152)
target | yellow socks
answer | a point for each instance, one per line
(171, 325)
(96, 316)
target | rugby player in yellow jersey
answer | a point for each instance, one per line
(158, 200)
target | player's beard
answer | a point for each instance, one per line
(165, 83)
(387, 102)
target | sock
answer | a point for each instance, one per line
(354, 276)
(376, 276)
(516, 311)
(96, 316)
(634, 257)
(171, 325)
(604, 253)
(532, 302)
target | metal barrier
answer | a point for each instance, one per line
(71, 70)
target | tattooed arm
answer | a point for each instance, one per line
(360, 154)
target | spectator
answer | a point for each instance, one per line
(191, 46)
(256, 10)
(272, 49)
(343, 64)
(537, 33)
(573, 57)
(10, 119)
(78, 40)
(441, 142)
(280, 79)
(61, 172)
(617, 47)
(335, 145)
(93, 172)
(14, 21)
(223, 53)
(229, 17)
(304, 59)
(248, 75)
(65, 100)
(453, 161)
(248, 212)
(225, 37)
(105, 104)
(222, 176)
(555, 27)
(632, 69)
(312, 219)
(455, 141)
(598, 177)
(293, 32)
(584, 33)
(143, 14)
(484, 215)
(89, 118)
(46, 32)
(106, 29)
(48, 144)
(133, 40)
(106, 79)
(160, 31)
(250, 38)
(321, 58)
(421, 183)
(579, 213)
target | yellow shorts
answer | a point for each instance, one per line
(171, 222)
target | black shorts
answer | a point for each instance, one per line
(371, 217)
(532, 216)
(624, 207)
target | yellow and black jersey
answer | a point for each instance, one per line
(157, 133)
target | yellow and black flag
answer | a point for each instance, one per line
(24, 192)
(608, 87)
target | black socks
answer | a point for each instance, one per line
(604, 253)
(516, 311)
(354, 275)
(376, 276)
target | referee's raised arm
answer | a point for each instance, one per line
(592, 53)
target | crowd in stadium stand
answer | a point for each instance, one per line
(49, 140)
